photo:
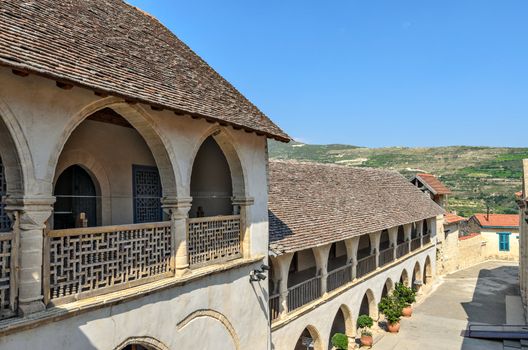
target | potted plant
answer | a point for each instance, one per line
(364, 323)
(340, 341)
(391, 307)
(407, 296)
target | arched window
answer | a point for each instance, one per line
(76, 204)
(211, 183)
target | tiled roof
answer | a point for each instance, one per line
(312, 204)
(451, 218)
(497, 220)
(468, 236)
(433, 183)
(112, 47)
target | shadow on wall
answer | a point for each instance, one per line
(487, 305)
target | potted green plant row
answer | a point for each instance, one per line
(391, 307)
(407, 296)
(340, 341)
(364, 323)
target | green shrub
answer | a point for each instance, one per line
(391, 307)
(365, 321)
(340, 341)
(404, 294)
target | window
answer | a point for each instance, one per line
(5, 224)
(147, 194)
(504, 241)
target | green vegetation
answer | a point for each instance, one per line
(340, 341)
(364, 322)
(391, 307)
(478, 176)
(404, 294)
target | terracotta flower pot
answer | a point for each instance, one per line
(366, 340)
(407, 311)
(393, 327)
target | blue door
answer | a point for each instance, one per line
(504, 241)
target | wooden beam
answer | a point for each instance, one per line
(64, 86)
(20, 73)
(100, 94)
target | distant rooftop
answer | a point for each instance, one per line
(451, 218)
(435, 186)
(311, 204)
(497, 220)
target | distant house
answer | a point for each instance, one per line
(430, 184)
(500, 234)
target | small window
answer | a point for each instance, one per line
(504, 241)
(5, 224)
(147, 194)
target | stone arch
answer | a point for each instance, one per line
(314, 334)
(227, 145)
(15, 154)
(147, 342)
(387, 287)
(142, 122)
(215, 315)
(417, 276)
(427, 271)
(368, 305)
(348, 323)
(98, 174)
(404, 277)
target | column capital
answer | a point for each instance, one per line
(178, 206)
(242, 201)
(34, 211)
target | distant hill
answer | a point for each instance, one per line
(478, 176)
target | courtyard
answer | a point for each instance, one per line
(473, 295)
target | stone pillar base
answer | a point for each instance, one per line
(25, 309)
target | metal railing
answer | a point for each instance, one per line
(274, 306)
(415, 243)
(213, 239)
(304, 292)
(339, 277)
(402, 249)
(386, 256)
(366, 265)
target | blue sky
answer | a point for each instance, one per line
(370, 73)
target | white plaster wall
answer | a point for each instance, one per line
(322, 317)
(160, 315)
(491, 248)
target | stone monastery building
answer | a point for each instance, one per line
(135, 213)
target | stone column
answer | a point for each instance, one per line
(321, 261)
(32, 213)
(375, 244)
(178, 209)
(242, 206)
(283, 262)
(393, 238)
(352, 245)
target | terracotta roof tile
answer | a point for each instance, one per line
(432, 181)
(451, 218)
(468, 236)
(112, 47)
(312, 204)
(498, 220)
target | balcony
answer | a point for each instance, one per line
(386, 256)
(304, 292)
(426, 239)
(415, 243)
(339, 277)
(402, 249)
(366, 265)
(85, 262)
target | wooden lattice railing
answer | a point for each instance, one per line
(213, 239)
(89, 261)
(7, 275)
(426, 239)
(386, 256)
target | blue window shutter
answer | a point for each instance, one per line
(504, 241)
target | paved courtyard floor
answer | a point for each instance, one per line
(475, 295)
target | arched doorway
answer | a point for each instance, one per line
(211, 183)
(309, 339)
(142, 343)
(76, 204)
(368, 305)
(428, 272)
(388, 286)
(417, 277)
(137, 347)
(404, 278)
(5, 223)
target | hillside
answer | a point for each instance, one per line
(478, 176)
